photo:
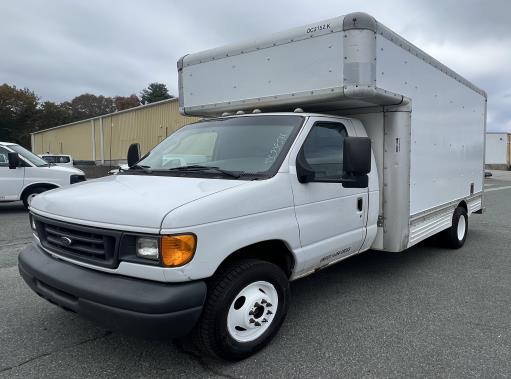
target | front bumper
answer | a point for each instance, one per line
(135, 306)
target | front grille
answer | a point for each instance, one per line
(91, 245)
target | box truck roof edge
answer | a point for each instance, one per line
(357, 21)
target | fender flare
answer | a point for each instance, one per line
(47, 185)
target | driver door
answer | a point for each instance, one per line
(331, 218)
(11, 181)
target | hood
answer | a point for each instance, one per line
(64, 169)
(127, 200)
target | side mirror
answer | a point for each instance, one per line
(14, 160)
(356, 162)
(357, 156)
(133, 154)
(303, 170)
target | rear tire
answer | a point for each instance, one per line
(29, 195)
(456, 235)
(246, 305)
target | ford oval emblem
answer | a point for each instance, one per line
(66, 241)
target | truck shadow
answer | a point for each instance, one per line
(12, 207)
(374, 267)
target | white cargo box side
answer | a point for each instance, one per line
(426, 122)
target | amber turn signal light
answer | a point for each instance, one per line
(178, 250)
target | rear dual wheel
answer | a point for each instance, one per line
(246, 305)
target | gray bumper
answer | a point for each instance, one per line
(139, 307)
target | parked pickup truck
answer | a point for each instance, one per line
(317, 144)
(23, 174)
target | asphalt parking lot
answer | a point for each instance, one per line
(429, 312)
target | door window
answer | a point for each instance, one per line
(64, 159)
(323, 150)
(4, 157)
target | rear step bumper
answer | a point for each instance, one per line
(138, 307)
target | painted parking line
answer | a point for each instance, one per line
(497, 189)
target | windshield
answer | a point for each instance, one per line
(249, 146)
(28, 155)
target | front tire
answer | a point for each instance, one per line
(29, 195)
(456, 235)
(246, 305)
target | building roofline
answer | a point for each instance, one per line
(109, 114)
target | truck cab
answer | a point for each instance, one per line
(297, 188)
(24, 175)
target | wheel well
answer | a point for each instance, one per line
(463, 204)
(274, 251)
(48, 186)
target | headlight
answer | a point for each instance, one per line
(148, 248)
(76, 179)
(178, 250)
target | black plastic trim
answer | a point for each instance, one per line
(111, 260)
(135, 306)
(76, 179)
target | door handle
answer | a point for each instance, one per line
(360, 204)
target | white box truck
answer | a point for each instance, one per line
(318, 143)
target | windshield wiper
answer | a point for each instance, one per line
(139, 167)
(233, 174)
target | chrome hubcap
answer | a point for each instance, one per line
(252, 311)
(462, 227)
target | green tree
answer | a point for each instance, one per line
(18, 107)
(50, 114)
(88, 106)
(126, 102)
(155, 92)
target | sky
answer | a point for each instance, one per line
(63, 48)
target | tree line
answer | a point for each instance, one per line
(22, 112)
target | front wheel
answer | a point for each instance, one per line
(456, 235)
(30, 194)
(246, 305)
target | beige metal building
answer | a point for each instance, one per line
(105, 139)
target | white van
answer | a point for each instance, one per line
(24, 175)
(205, 232)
